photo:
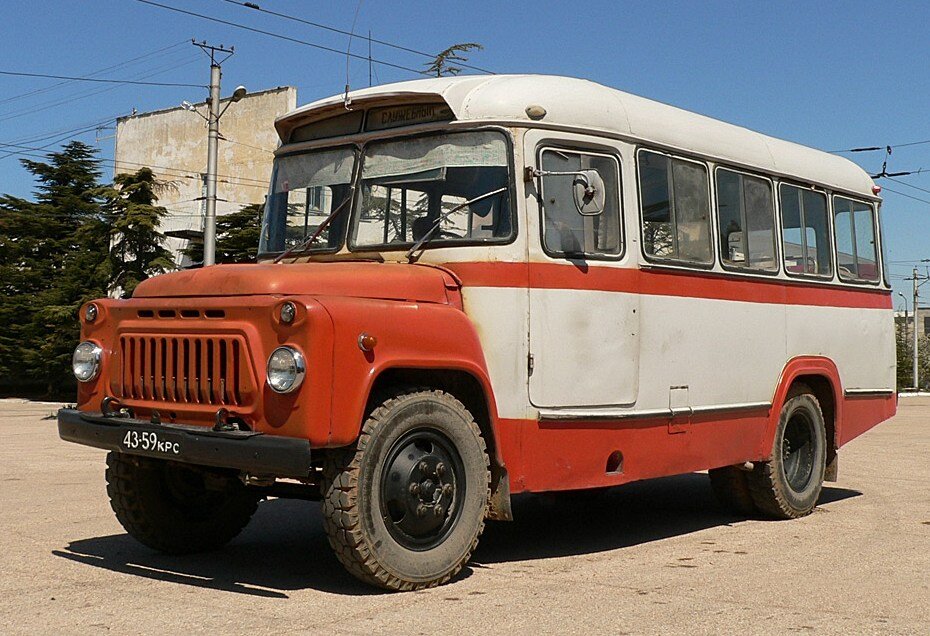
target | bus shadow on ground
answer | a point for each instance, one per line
(284, 548)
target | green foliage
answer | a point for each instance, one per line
(237, 237)
(904, 340)
(136, 247)
(77, 241)
(444, 62)
(53, 254)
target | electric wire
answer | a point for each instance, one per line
(172, 66)
(279, 36)
(399, 47)
(157, 53)
(169, 171)
(73, 78)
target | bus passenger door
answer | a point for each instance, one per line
(584, 310)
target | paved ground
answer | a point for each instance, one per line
(656, 557)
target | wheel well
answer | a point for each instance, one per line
(460, 384)
(823, 391)
(468, 390)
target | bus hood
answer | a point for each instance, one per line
(390, 281)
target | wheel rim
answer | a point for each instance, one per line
(797, 447)
(422, 489)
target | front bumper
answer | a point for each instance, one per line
(248, 451)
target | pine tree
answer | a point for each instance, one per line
(444, 62)
(53, 259)
(237, 235)
(137, 247)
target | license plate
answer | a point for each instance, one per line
(151, 442)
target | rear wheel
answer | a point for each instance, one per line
(177, 508)
(788, 485)
(404, 508)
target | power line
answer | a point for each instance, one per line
(905, 183)
(886, 189)
(885, 148)
(72, 78)
(169, 171)
(255, 7)
(129, 62)
(98, 91)
(279, 36)
(255, 183)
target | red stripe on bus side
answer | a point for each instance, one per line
(666, 283)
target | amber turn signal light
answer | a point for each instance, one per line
(366, 341)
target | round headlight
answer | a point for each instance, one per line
(286, 369)
(288, 312)
(85, 362)
(90, 312)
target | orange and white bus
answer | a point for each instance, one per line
(473, 287)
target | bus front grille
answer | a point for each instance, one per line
(198, 369)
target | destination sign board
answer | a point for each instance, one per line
(407, 115)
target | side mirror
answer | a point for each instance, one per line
(588, 190)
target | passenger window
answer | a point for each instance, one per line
(805, 231)
(747, 221)
(855, 240)
(565, 231)
(675, 202)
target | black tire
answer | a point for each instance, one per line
(393, 516)
(176, 508)
(788, 485)
(731, 487)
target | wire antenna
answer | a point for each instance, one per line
(346, 101)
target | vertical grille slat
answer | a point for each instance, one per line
(157, 369)
(183, 369)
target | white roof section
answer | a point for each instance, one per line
(587, 105)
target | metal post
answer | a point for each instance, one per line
(209, 219)
(915, 305)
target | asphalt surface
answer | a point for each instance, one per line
(656, 557)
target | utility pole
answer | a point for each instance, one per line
(904, 298)
(213, 126)
(914, 305)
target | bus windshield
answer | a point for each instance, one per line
(305, 189)
(407, 185)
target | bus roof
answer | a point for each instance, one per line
(582, 104)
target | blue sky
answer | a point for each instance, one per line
(833, 75)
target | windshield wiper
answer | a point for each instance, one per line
(442, 217)
(319, 230)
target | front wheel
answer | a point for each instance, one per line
(177, 508)
(788, 485)
(404, 508)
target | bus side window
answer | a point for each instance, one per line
(855, 240)
(675, 207)
(746, 212)
(805, 231)
(565, 231)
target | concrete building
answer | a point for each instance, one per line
(173, 143)
(906, 320)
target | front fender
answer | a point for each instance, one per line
(409, 335)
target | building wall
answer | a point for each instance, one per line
(173, 143)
